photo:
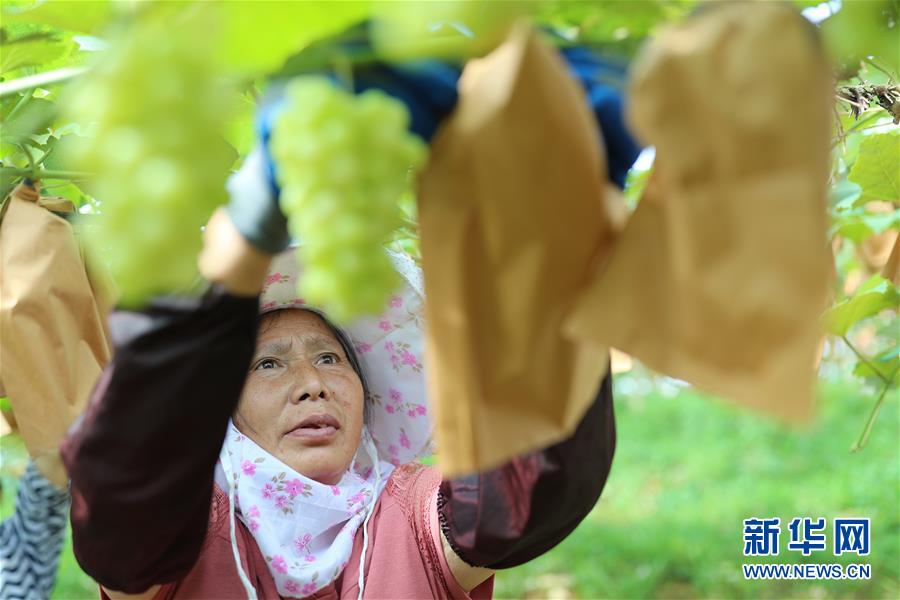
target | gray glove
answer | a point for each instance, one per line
(253, 206)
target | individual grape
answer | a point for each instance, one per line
(157, 153)
(343, 162)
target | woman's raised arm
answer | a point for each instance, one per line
(514, 513)
(142, 457)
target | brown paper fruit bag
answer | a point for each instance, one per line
(891, 270)
(53, 338)
(721, 273)
(512, 212)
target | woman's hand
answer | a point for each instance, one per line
(467, 576)
(229, 259)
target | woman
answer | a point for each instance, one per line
(237, 445)
(316, 515)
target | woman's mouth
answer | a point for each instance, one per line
(316, 428)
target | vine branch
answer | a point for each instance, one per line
(864, 436)
(886, 385)
(25, 99)
(43, 173)
(866, 361)
(33, 171)
(860, 97)
(875, 63)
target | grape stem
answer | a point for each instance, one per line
(34, 170)
(866, 361)
(42, 173)
(864, 437)
(886, 380)
(24, 100)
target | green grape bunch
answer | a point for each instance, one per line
(159, 159)
(343, 162)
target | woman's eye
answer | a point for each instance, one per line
(266, 363)
(328, 359)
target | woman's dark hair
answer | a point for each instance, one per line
(344, 340)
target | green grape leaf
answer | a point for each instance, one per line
(34, 118)
(68, 128)
(882, 366)
(861, 29)
(69, 191)
(877, 170)
(89, 16)
(617, 27)
(61, 150)
(842, 194)
(857, 224)
(11, 155)
(239, 131)
(7, 105)
(258, 36)
(350, 44)
(33, 51)
(874, 296)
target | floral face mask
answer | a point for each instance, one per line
(305, 529)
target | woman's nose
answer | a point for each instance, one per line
(308, 385)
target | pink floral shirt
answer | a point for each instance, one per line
(404, 560)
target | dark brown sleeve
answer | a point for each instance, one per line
(514, 513)
(142, 457)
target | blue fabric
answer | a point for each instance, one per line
(428, 89)
(602, 80)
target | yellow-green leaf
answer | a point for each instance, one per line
(877, 170)
(87, 16)
(883, 366)
(874, 296)
(258, 36)
(32, 52)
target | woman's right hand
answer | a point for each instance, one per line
(228, 258)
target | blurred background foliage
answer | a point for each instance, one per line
(687, 470)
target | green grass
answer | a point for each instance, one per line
(687, 471)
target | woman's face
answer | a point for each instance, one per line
(303, 402)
